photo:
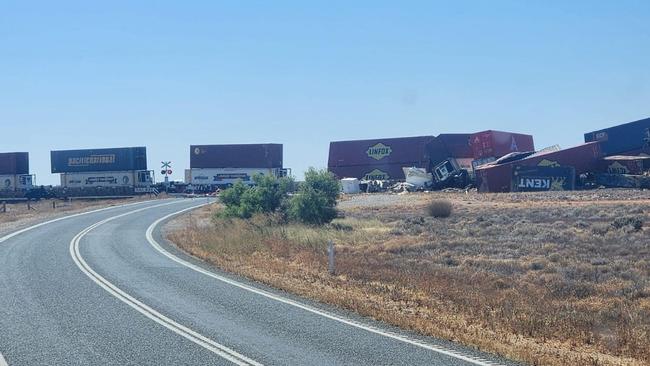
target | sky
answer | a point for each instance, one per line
(167, 74)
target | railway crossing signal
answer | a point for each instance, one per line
(166, 170)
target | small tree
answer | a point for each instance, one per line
(266, 196)
(315, 200)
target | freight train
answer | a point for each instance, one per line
(103, 172)
(15, 179)
(218, 166)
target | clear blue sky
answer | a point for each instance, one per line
(167, 74)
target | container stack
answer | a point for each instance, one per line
(214, 166)
(102, 171)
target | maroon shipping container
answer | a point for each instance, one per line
(380, 151)
(496, 144)
(497, 178)
(457, 145)
(374, 172)
(14, 163)
(236, 156)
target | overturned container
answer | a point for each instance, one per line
(495, 144)
(627, 138)
(498, 178)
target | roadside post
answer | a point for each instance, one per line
(331, 264)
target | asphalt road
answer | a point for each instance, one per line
(104, 288)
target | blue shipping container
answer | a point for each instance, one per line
(622, 138)
(99, 160)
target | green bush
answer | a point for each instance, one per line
(266, 196)
(315, 201)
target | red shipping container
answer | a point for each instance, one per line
(496, 144)
(497, 178)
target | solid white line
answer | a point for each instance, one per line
(147, 311)
(15, 233)
(3, 362)
(435, 348)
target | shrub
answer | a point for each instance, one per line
(265, 197)
(439, 208)
(634, 223)
(315, 201)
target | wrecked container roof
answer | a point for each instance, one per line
(622, 138)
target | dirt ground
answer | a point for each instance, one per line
(559, 278)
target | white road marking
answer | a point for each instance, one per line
(3, 362)
(147, 311)
(15, 233)
(435, 348)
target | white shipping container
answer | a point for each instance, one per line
(7, 182)
(106, 179)
(97, 179)
(223, 176)
(16, 182)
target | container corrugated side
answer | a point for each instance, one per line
(14, 163)
(99, 160)
(236, 156)
(380, 151)
(496, 144)
(497, 178)
(374, 172)
(457, 145)
(622, 138)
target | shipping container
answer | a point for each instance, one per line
(497, 178)
(495, 144)
(449, 146)
(543, 178)
(99, 160)
(374, 172)
(622, 181)
(107, 179)
(228, 176)
(616, 164)
(236, 156)
(387, 151)
(622, 138)
(16, 182)
(14, 163)
(457, 145)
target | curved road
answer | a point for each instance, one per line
(103, 288)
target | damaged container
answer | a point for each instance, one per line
(495, 144)
(623, 164)
(543, 178)
(497, 178)
(623, 138)
(373, 172)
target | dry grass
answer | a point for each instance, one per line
(545, 279)
(18, 214)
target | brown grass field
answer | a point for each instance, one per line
(18, 215)
(546, 279)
